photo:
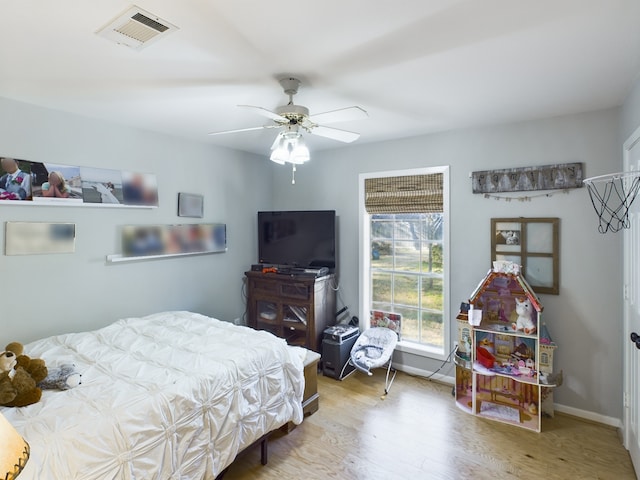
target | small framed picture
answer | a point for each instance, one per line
(190, 205)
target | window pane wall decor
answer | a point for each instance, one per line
(532, 243)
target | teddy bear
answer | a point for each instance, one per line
(19, 375)
(524, 323)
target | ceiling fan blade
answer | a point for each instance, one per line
(242, 130)
(335, 134)
(341, 115)
(267, 113)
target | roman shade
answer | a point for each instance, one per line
(404, 194)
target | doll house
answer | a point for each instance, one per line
(504, 360)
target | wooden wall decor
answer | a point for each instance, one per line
(532, 243)
(548, 177)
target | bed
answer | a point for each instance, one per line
(170, 395)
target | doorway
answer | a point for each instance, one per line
(631, 295)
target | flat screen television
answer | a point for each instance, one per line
(301, 239)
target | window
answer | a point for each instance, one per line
(404, 239)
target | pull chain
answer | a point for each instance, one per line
(293, 174)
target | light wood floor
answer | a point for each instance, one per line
(417, 432)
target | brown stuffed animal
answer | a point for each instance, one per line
(7, 389)
(19, 375)
(34, 366)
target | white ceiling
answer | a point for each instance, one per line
(417, 66)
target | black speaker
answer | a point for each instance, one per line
(335, 355)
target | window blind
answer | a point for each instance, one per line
(404, 194)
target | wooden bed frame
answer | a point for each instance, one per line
(311, 397)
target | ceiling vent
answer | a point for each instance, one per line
(136, 28)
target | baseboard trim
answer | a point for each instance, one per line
(586, 415)
(575, 412)
(419, 372)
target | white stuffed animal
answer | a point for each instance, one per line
(524, 309)
(63, 377)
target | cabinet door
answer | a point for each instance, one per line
(294, 323)
(268, 317)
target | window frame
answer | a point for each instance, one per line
(364, 265)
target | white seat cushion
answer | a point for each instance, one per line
(373, 348)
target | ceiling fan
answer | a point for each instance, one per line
(293, 119)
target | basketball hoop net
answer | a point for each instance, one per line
(611, 196)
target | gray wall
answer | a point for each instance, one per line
(51, 294)
(585, 320)
(630, 113)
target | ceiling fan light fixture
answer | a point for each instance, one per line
(277, 142)
(279, 155)
(290, 147)
(279, 152)
(300, 153)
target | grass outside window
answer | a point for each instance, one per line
(407, 274)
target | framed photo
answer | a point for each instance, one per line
(190, 205)
(15, 179)
(101, 185)
(31, 238)
(532, 243)
(55, 183)
(154, 240)
(140, 189)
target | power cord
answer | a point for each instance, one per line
(336, 285)
(243, 294)
(446, 360)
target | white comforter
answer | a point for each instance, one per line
(174, 395)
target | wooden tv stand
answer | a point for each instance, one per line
(297, 308)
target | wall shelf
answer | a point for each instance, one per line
(119, 258)
(30, 203)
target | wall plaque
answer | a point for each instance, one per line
(548, 177)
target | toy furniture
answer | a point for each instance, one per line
(504, 360)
